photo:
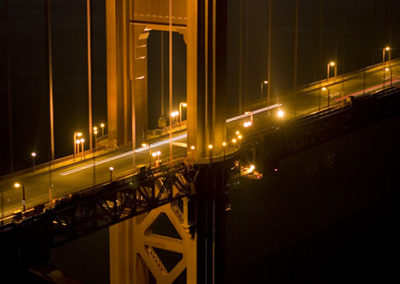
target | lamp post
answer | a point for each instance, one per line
(20, 185)
(77, 135)
(82, 140)
(77, 146)
(265, 82)
(33, 155)
(325, 89)
(389, 51)
(157, 154)
(181, 105)
(102, 125)
(224, 144)
(173, 115)
(192, 148)
(331, 64)
(248, 123)
(95, 136)
(234, 141)
(111, 169)
(144, 145)
(210, 147)
(387, 69)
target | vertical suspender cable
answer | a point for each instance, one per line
(9, 98)
(162, 74)
(269, 51)
(170, 78)
(50, 70)
(296, 43)
(89, 62)
(240, 53)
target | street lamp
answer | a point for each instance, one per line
(389, 51)
(181, 105)
(82, 140)
(102, 125)
(234, 141)
(77, 148)
(248, 123)
(157, 154)
(387, 69)
(19, 185)
(76, 144)
(280, 113)
(33, 155)
(224, 144)
(95, 136)
(144, 145)
(173, 115)
(331, 64)
(111, 169)
(262, 86)
(192, 148)
(210, 147)
(325, 89)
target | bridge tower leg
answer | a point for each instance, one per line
(135, 250)
(156, 245)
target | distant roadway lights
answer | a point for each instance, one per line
(331, 64)
(111, 169)
(20, 185)
(181, 105)
(280, 113)
(33, 155)
(265, 82)
(389, 51)
(328, 94)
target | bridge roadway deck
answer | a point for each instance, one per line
(79, 176)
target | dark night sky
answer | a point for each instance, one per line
(353, 33)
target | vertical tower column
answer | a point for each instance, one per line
(118, 83)
(206, 106)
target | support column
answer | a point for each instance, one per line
(206, 105)
(210, 199)
(136, 244)
(118, 83)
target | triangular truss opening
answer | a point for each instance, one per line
(169, 258)
(163, 226)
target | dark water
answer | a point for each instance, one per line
(330, 215)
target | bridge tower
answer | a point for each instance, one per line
(133, 244)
